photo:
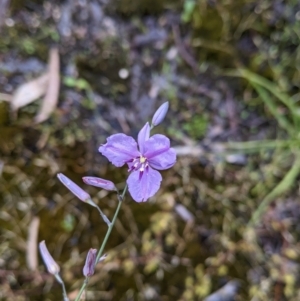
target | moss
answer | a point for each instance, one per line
(197, 127)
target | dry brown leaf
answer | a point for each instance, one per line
(50, 100)
(29, 92)
(5, 97)
(31, 249)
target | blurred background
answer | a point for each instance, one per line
(225, 224)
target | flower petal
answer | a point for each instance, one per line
(156, 145)
(119, 149)
(142, 188)
(164, 160)
(143, 135)
(158, 152)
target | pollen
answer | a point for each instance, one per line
(142, 159)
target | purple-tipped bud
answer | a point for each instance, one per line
(74, 188)
(160, 114)
(50, 264)
(98, 182)
(89, 267)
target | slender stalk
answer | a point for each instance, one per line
(104, 217)
(256, 146)
(82, 289)
(64, 292)
(59, 280)
(108, 233)
(110, 227)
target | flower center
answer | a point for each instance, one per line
(142, 159)
(139, 163)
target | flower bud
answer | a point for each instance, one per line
(160, 114)
(98, 182)
(89, 267)
(50, 264)
(74, 188)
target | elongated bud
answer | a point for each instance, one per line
(74, 188)
(50, 264)
(89, 267)
(160, 114)
(98, 182)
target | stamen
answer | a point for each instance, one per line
(139, 164)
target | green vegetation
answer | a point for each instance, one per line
(230, 70)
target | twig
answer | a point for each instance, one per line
(183, 52)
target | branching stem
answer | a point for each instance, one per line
(100, 252)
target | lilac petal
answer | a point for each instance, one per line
(145, 187)
(158, 152)
(160, 114)
(143, 136)
(119, 149)
(164, 160)
(155, 146)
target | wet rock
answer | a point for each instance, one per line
(13, 65)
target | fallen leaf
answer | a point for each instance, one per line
(50, 100)
(5, 97)
(31, 248)
(29, 92)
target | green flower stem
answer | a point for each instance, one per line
(104, 217)
(82, 289)
(110, 227)
(64, 292)
(108, 232)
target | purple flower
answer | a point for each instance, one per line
(51, 265)
(89, 267)
(142, 158)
